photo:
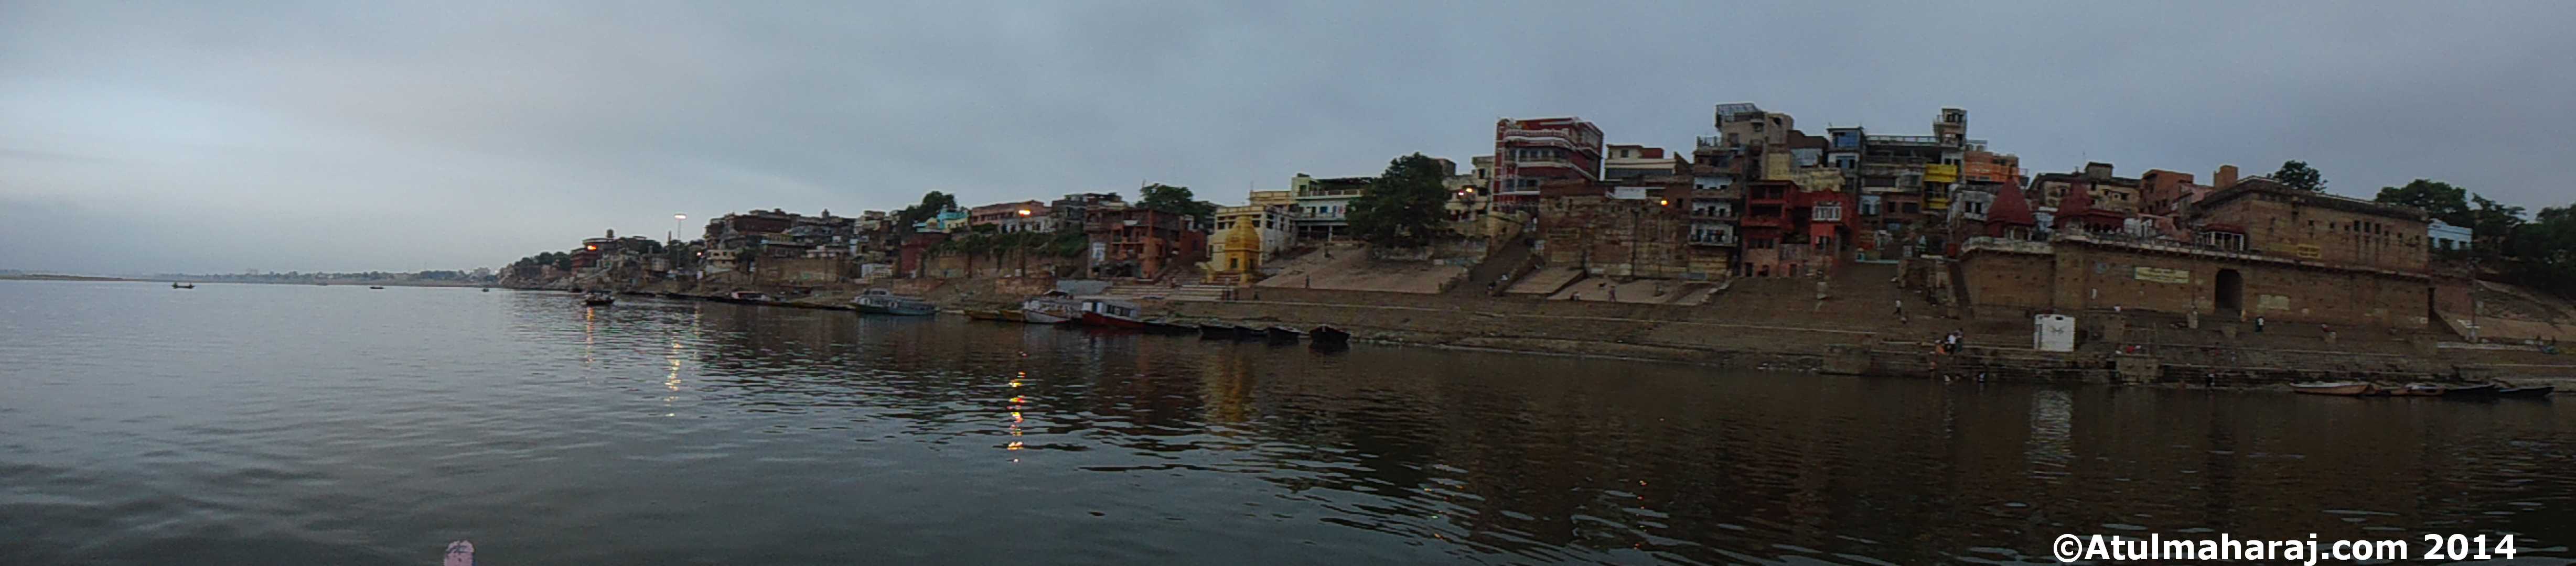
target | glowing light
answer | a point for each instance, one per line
(1663, 202)
(1019, 400)
(1024, 212)
(1015, 445)
(679, 217)
(590, 247)
(1015, 383)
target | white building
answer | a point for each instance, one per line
(1277, 224)
(1324, 205)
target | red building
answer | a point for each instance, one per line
(1529, 152)
(1141, 242)
(1790, 232)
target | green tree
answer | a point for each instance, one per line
(1176, 200)
(1403, 206)
(932, 203)
(2547, 247)
(2298, 175)
(2439, 199)
(2494, 223)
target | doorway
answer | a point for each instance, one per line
(2231, 292)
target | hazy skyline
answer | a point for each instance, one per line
(143, 137)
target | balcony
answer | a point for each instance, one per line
(1904, 140)
(1763, 221)
(1718, 214)
(1716, 240)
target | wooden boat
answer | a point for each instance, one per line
(2418, 389)
(1216, 331)
(1112, 313)
(743, 297)
(487, 289)
(2344, 388)
(880, 301)
(180, 286)
(1054, 307)
(598, 298)
(1283, 334)
(1328, 338)
(2532, 391)
(2477, 390)
(1169, 326)
(376, 287)
(1008, 314)
(984, 314)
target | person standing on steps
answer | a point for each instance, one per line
(2258, 325)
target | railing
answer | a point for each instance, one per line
(1712, 141)
(1712, 240)
(1904, 140)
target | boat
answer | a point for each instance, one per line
(1216, 331)
(1054, 307)
(745, 297)
(2344, 388)
(2417, 389)
(180, 286)
(1283, 334)
(487, 289)
(984, 314)
(1329, 335)
(1112, 313)
(2476, 390)
(376, 287)
(1169, 326)
(598, 298)
(2533, 391)
(880, 301)
(1009, 314)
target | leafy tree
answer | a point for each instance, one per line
(2494, 223)
(2441, 200)
(1176, 200)
(2298, 175)
(932, 203)
(2547, 247)
(1403, 206)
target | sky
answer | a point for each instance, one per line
(219, 136)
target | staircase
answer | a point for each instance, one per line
(1196, 292)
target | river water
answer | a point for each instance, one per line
(280, 424)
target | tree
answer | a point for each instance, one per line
(2493, 223)
(1403, 206)
(2547, 247)
(2298, 175)
(932, 203)
(1176, 200)
(2441, 200)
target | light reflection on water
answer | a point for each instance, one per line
(296, 424)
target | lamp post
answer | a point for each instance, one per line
(675, 226)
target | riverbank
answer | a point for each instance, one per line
(1789, 325)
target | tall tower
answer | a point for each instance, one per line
(1952, 127)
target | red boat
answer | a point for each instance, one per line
(1112, 313)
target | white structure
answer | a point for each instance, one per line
(1277, 225)
(2052, 333)
(2444, 236)
(1324, 205)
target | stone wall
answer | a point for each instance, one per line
(2075, 276)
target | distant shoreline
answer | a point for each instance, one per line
(41, 277)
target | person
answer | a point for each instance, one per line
(2258, 325)
(1900, 311)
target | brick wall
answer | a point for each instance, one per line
(2085, 277)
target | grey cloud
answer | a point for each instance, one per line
(232, 135)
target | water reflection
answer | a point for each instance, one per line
(802, 436)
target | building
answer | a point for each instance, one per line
(998, 214)
(1530, 152)
(2445, 237)
(1629, 162)
(1788, 231)
(2108, 191)
(2281, 221)
(1073, 210)
(1142, 242)
(1274, 229)
(1638, 228)
(1324, 205)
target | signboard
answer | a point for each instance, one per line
(1099, 252)
(2162, 275)
(2272, 302)
(2310, 251)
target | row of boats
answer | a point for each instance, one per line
(2367, 389)
(1055, 307)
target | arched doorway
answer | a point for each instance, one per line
(2231, 292)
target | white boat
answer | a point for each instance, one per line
(1054, 307)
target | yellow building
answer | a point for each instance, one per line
(1238, 258)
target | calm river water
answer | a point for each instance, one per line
(279, 424)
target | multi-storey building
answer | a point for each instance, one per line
(1142, 242)
(1628, 162)
(1530, 152)
(1324, 205)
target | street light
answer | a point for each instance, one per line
(675, 226)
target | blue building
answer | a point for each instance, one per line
(2444, 236)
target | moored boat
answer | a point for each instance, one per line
(744, 297)
(1008, 314)
(984, 314)
(1054, 307)
(880, 301)
(598, 298)
(1112, 313)
(2533, 391)
(1168, 326)
(2474, 390)
(376, 287)
(2344, 388)
(1328, 334)
(175, 285)
(2417, 389)
(1216, 331)
(1283, 334)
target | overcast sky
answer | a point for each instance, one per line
(217, 136)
